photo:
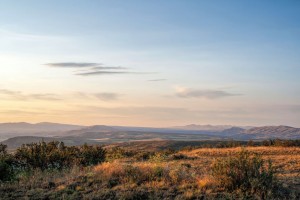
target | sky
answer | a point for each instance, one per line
(150, 63)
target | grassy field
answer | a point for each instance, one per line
(286, 160)
(181, 174)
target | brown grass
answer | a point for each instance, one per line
(188, 178)
(285, 159)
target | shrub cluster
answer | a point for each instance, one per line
(165, 174)
(161, 156)
(250, 143)
(247, 174)
(6, 164)
(281, 143)
(55, 155)
(47, 156)
(117, 153)
(158, 156)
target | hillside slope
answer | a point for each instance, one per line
(269, 132)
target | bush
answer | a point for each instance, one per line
(117, 153)
(3, 151)
(55, 155)
(6, 165)
(91, 155)
(248, 174)
(162, 156)
(143, 155)
(179, 157)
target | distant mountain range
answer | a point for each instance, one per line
(208, 127)
(23, 128)
(267, 132)
(45, 129)
(15, 134)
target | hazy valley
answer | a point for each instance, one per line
(16, 134)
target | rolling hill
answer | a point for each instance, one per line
(16, 134)
(267, 132)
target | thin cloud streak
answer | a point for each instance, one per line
(22, 112)
(108, 67)
(73, 64)
(107, 96)
(102, 73)
(17, 95)
(157, 80)
(92, 69)
(198, 93)
(103, 96)
(110, 72)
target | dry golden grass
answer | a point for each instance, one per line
(128, 178)
(195, 170)
(219, 152)
(285, 159)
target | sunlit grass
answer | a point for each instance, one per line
(188, 176)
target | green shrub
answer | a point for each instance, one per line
(117, 153)
(6, 170)
(179, 157)
(55, 155)
(158, 157)
(6, 165)
(143, 155)
(247, 173)
(3, 151)
(162, 156)
(91, 155)
(158, 172)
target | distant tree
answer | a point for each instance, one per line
(91, 155)
(6, 164)
(3, 150)
(250, 143)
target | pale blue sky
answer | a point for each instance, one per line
(162, 63)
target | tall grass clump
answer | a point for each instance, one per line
(249, 175)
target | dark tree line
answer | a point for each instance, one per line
(250, 143)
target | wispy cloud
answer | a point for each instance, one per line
(145, 112)
(104, 96)
(73, 64)
(21, 96)
(110, 73)
(200, 93)
(107, 96)
(157, 80)
(92, 73)
(18, 95)
(92, 69)
(22, 112)
(108, 67)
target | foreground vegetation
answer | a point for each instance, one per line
(53, 171)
